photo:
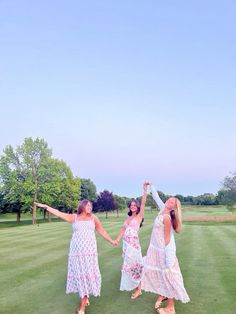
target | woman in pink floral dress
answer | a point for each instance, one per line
(83, 275)
(162, 274)
(132, 268)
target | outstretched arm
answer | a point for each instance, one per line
(101, 231)
(156, 197)
(56, 212)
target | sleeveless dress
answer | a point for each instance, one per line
(159, 278)
(132, 267)
(83, 275)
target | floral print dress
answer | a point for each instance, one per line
(132, 268)
(83, 276)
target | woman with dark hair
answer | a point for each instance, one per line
(132, 256)
(162, 273)
(83, 275)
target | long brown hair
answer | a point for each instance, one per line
(81, 206)
(138, 209)
(176, 217)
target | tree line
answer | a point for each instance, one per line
(30, 172)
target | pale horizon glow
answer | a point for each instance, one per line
(124, 91)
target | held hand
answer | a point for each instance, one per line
(115, 243)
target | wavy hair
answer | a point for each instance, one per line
(81, 206)
(138, 209)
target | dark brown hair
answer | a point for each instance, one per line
(81, 206)
(138, 209)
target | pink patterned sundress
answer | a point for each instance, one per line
(132, 268)
(83, 275)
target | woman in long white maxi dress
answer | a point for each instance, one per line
(162, 273)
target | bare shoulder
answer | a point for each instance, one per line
(166, 219)
(95, 218)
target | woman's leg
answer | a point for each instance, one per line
(170, 305)
(137, 292)
(159, 301)
(84, 302)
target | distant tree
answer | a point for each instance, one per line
(220, 197)
(105, 202)
(120, 202)
(229, 188)
(180, 197)
(188, 199)
(88, 190)
(205, 199)
(6, 207)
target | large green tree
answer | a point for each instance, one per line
(29, 173)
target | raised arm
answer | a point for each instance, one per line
(56, 212)
(101, 231)
(143, 202)
(156, 197)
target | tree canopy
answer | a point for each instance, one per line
(30, 173)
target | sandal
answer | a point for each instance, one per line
(162, 310)
(136, 294)
(159, 302)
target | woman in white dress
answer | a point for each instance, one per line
(132, 268)
(83, 275)
(162, 273)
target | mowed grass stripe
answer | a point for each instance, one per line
(224, 259)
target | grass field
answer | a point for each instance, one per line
(33, 262)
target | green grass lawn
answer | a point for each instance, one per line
(33, 263)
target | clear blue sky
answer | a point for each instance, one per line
(124, 91)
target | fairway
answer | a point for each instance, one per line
(33, 263)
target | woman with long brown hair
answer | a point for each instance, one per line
(132, 268)
(162, 274)
(83, 275)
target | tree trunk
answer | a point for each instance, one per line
(49, 216)
(34, 206)
(34, 214)
(44, 214)
(106, 214)
(18, 215)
